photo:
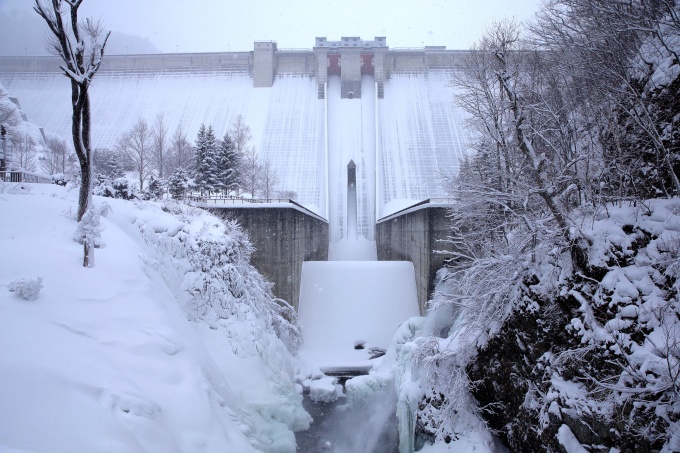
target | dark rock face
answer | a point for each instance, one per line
(544, 369)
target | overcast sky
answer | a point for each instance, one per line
(144, 26)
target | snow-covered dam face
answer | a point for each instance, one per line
(287, 119)
(405, 141)
(422, 137)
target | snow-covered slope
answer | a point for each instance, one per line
(18, 126)
(105, 360)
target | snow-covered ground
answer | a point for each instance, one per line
(105, 360)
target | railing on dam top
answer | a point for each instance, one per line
(429, 201)
(253, 202)
(24, 176)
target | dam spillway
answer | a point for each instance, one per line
(351, 137)
(418, 130)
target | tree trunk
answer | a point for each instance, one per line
(579, 251)
(79, 68)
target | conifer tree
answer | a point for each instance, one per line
(154, 190)
(108, 164)
(178, 183)
(228, 165)
(206, 165)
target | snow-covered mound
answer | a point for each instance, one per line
(105, 360)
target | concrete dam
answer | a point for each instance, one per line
(357, 130)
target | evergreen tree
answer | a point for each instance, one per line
(206, 166)
(228, 161)
(154, 190)
(179, 182)
(108, 164)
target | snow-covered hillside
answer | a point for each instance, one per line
(552, 355)
(105, 359)
(18, 128)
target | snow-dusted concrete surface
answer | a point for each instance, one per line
(422, 137)
(418, 127)
(286, 120)
(351, 137)
(345, 304)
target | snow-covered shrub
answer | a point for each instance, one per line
(88, 229)
(124, 189)
(207, 264)
(221, 283)
(26, 288)
(116, 188)
(103, 187)
(60, 179)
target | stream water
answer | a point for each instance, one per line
(367, 427)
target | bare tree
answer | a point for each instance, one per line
(81, 47)
(181, 150)
(613, 50)
(160, 146)
(269, 179)
(58, 158)
(23, 155)
(251, 171)
(135, 147)
(241, 135)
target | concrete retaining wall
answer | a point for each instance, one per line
(265, 62)
(296, 63)
(283, 238)
(414, 236)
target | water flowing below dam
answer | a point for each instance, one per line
(351, 306)
(340, 427)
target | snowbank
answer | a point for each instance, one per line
(105, 360)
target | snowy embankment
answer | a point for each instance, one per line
(105, 359)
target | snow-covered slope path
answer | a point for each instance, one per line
(104, 359)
